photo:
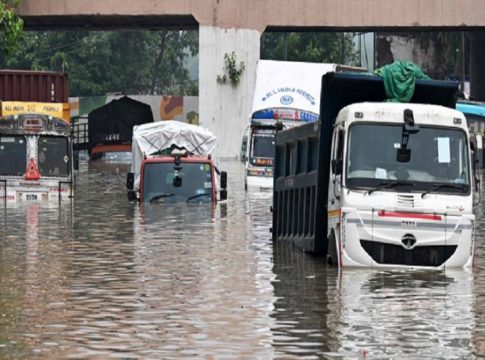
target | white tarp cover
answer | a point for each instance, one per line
(152, 138)
(289, 84)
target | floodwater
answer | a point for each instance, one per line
(101, 278)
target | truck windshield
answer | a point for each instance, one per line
(13, 154)
(262, 147)
(53, 156)
(192, 184)
(439, 157)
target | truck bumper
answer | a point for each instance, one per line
(34, 193)
(392, 239)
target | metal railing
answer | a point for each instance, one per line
(60, 188)
(79, 125)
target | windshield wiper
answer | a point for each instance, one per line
(160, 196)
(390, 184)
(441, 186)
(197, 195)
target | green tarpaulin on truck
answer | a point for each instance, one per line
(400, 79)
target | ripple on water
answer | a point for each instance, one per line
(103, 278)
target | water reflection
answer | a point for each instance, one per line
(305, 292)
(30, 274)
(103, 278)
(479, 275)
(401, 314)
(361, 314)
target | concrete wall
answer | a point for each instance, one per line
(223, 107)
(392, 47)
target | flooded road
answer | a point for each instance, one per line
(100, 278)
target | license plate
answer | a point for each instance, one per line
(30, 196)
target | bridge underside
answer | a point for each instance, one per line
(158, 22)
(110, 22)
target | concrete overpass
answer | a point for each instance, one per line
(236, 25)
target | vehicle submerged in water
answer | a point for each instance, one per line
(36, 149)
(379, 184)
(174, 162)
(286, 95)
(36, 158)
(107, 131)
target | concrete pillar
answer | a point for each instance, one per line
(477, 68)
(223, 107)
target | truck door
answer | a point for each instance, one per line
(335, 184)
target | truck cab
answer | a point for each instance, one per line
(174, 162)
(36, 156)
(260, 154)
(401, 193)
(285, 96)
(176, 178)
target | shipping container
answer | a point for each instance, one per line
(34, 86)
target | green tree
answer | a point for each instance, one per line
(329, 47)
(129, 62)
(11, 25)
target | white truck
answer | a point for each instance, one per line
(286, 94)
(376, 183)
(174, 162)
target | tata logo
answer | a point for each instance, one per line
(408, 241)
(286, 99)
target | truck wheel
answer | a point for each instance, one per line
(332, 258)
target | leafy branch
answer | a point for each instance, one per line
(11, 25)
(232, 70)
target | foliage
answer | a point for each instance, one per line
(232, 69)
(131, 62)
(328, 47)
(11, 25)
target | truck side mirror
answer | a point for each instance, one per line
(409, 127)
(177, 181)
(223, 194)
(223, 179)
(403, 155)
(473, 147)
(476, 171)
(130, 180)
(132, 195)
(336, 167)
(75, 160)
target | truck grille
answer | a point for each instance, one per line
(405, 201)
(388, 254)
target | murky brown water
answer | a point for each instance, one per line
(105, 279)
